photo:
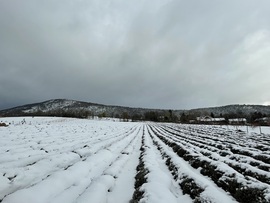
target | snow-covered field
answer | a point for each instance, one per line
(53, 160)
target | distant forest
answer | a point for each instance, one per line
(155, 116)
(253, 114)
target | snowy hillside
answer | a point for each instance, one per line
(61, 106)
(79, 109)
(78, 160)
(240, 110)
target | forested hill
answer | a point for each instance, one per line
(233, 110)
(72, 108)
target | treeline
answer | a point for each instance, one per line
(73, 113)
(152, 115)
(156, 116)
(167, 116)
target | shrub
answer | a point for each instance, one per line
(3, 125)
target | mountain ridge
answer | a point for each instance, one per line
(65, 104)
(66, 107)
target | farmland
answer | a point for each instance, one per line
(77, 160)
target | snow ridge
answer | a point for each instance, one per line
(69, 160)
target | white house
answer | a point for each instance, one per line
(237, 121)
(208, 119)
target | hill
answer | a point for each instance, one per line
(72, 108)
(240, 110)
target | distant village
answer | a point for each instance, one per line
(265, 121)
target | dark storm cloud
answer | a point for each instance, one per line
(160, 54)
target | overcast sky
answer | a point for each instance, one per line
(172, 54)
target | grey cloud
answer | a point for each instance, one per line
(160, 54)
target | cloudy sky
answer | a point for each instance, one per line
(174, 54)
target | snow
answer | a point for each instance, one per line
(160, 187)
(211, 191)
(51, 159)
